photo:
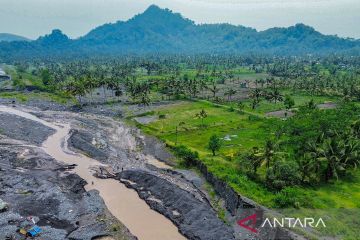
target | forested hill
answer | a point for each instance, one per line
(7, 37)
(162, 31)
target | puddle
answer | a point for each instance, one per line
(153, 161)
(104, 238)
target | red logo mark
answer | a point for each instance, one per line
(251, 218)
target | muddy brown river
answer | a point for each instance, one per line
(122, 202)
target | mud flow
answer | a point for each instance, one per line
(122, 202)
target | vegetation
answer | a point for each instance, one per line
(214, 144)
(162, 31)
(281, 131)
(273, 172)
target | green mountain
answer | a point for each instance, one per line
(7, 37)
(162, 31)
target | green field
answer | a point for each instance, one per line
(299, 98)
(26, 86)
(246, 130)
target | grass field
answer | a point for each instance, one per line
(299, 99)
(25, 80)
(337, 202)
(26, 96)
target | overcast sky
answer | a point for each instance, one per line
(32, 18)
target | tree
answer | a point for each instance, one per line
(193, 87)
(214, 144)
(274, 96)
(46, 77)
(240, 106)
(254, 103)
(230, 92)
(282, 174)
(202, 115)
(340, 153)
(75, 87)
(144, 91)
(311, 104)
(355, 129)
(90, 85)
(269, 152)
(310, 163)
(289, 102)
(255, 159)
(213, 88)
(255, 95)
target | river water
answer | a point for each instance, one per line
(122, 202)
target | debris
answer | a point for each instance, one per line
(22, 231)
(31, 219)
(34, 231)
(10, 237)
(3, 206)
(103, 172)
(227, 138)
(67, 167)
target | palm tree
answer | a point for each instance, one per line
(274, 96)
(330, 153)
(311, 161)
(202, 86)
(213, 88)
(255, 95)
(355, 128)
(241, 106)
(255, 158)
(193, 87)
(269, 152)
(202, 115)
(340, 152)
(230, 92)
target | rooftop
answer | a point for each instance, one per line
(2, 72)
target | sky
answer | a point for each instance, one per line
(33, 18)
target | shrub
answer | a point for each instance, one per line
(283, 174)
(288, 197)
(190, 157)
(254, 118)
(293, 197)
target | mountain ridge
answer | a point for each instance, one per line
(8, 37)
(158, 30)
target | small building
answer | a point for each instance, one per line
(4, 76)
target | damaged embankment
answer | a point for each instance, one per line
(194, 218)
(122, 202)
(241, 207)
(165, 191)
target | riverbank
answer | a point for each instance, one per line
(34, 184)
(119, 145)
